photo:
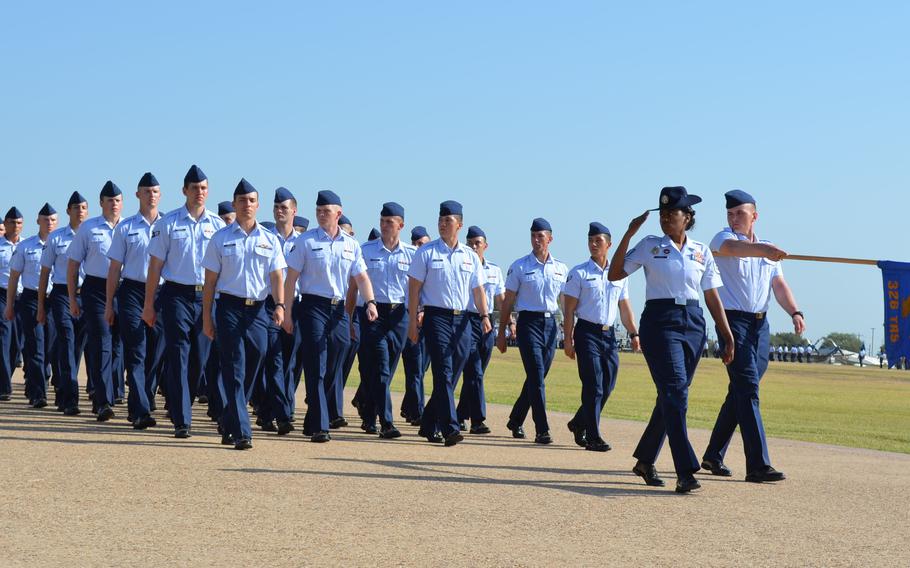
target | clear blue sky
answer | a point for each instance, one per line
(573, 111)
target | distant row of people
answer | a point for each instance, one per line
(791, 353)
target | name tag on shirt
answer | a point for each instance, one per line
(347, 254)
(180, 233)
(97, 237)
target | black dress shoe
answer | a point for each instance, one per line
(581, 438)
(648, 472)
(268, 426)
(119, 400)
(389, 433)
(227, 439)
(462, 425)
(105, 413)
(284, 427)
(598, 445)
(182, 432)
(369, 428)
(320, 437)
(202, 399)
(40, 403)
(543, 438)
(764, 474)
(416, 421)
(243, 444)
(517, 430)
(453, 439)
(71, 411)
(5, 397)
(716, 468)
(686, 484)
(338, 423)
(435, 438)
(144, 422)
(480, 428)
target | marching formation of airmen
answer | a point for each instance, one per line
(221, 310)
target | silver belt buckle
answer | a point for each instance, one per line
(547, 315)
(605, 328)
(680, 301)
(336, 301)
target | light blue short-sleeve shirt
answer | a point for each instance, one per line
(598, 298)
(449, 275)
(55, 255)
(325, 264)
(244, 262)
(129, 247)
(27, 261)
(388, 270)
(493, 285)
(180, 241)
(536, 284)
(747, 281)
(90, 246)
(671, 273)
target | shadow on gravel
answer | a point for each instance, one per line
(437, 472)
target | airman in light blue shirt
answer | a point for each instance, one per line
(747, 280)
(448, 274)
(598, 298)
(325, 264)
(27, 261)
(54, 256)
(129, 246)
(244, 261)
(662, 262)
(388, 270)
(537, 285)
(90, 246)
(179, 240)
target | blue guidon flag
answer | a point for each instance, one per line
(896, 277)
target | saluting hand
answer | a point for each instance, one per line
(149, 316)
(638, 222)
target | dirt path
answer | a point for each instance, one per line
(79, 493)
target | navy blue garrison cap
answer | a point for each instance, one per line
(225, 207)
(244, 187)
(343, 220)
(301, 222)
(595, 228)
(738, 197)
(449, 208)
(194, 175)
(540, 224)
(13, 213)
(110, 189)
(474, 231)
(75, 199)
(676, 197)
(327, 197)
(148, 180)
(418, 233)
(47, 210)
(268, 225)
(283, 194)
(374, 234)
(392, 209)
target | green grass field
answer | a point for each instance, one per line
(847, 406)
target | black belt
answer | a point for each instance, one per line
(752, 315)
(593, 326)
(187, 288)
(314, 299)
(387, 306)
(94, 279)
(29, 291)
(133, 283)
(443, 311)
(671, 302)
(246, 302)
(533, 314)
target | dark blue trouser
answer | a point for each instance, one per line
(598, 363)
(750, 361)
(472, 401)
(7, 331)
(68, 345)
(416, 362)
(382, 342)
(212, 372)
(274, 404)
(448, 341)
(537, 345)
(186, 348)
(335, 394)
(99, 342)
(292, 359)
(33, 351)
(325, 337)
(142, 347)
(243, 342)
(672, 338)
